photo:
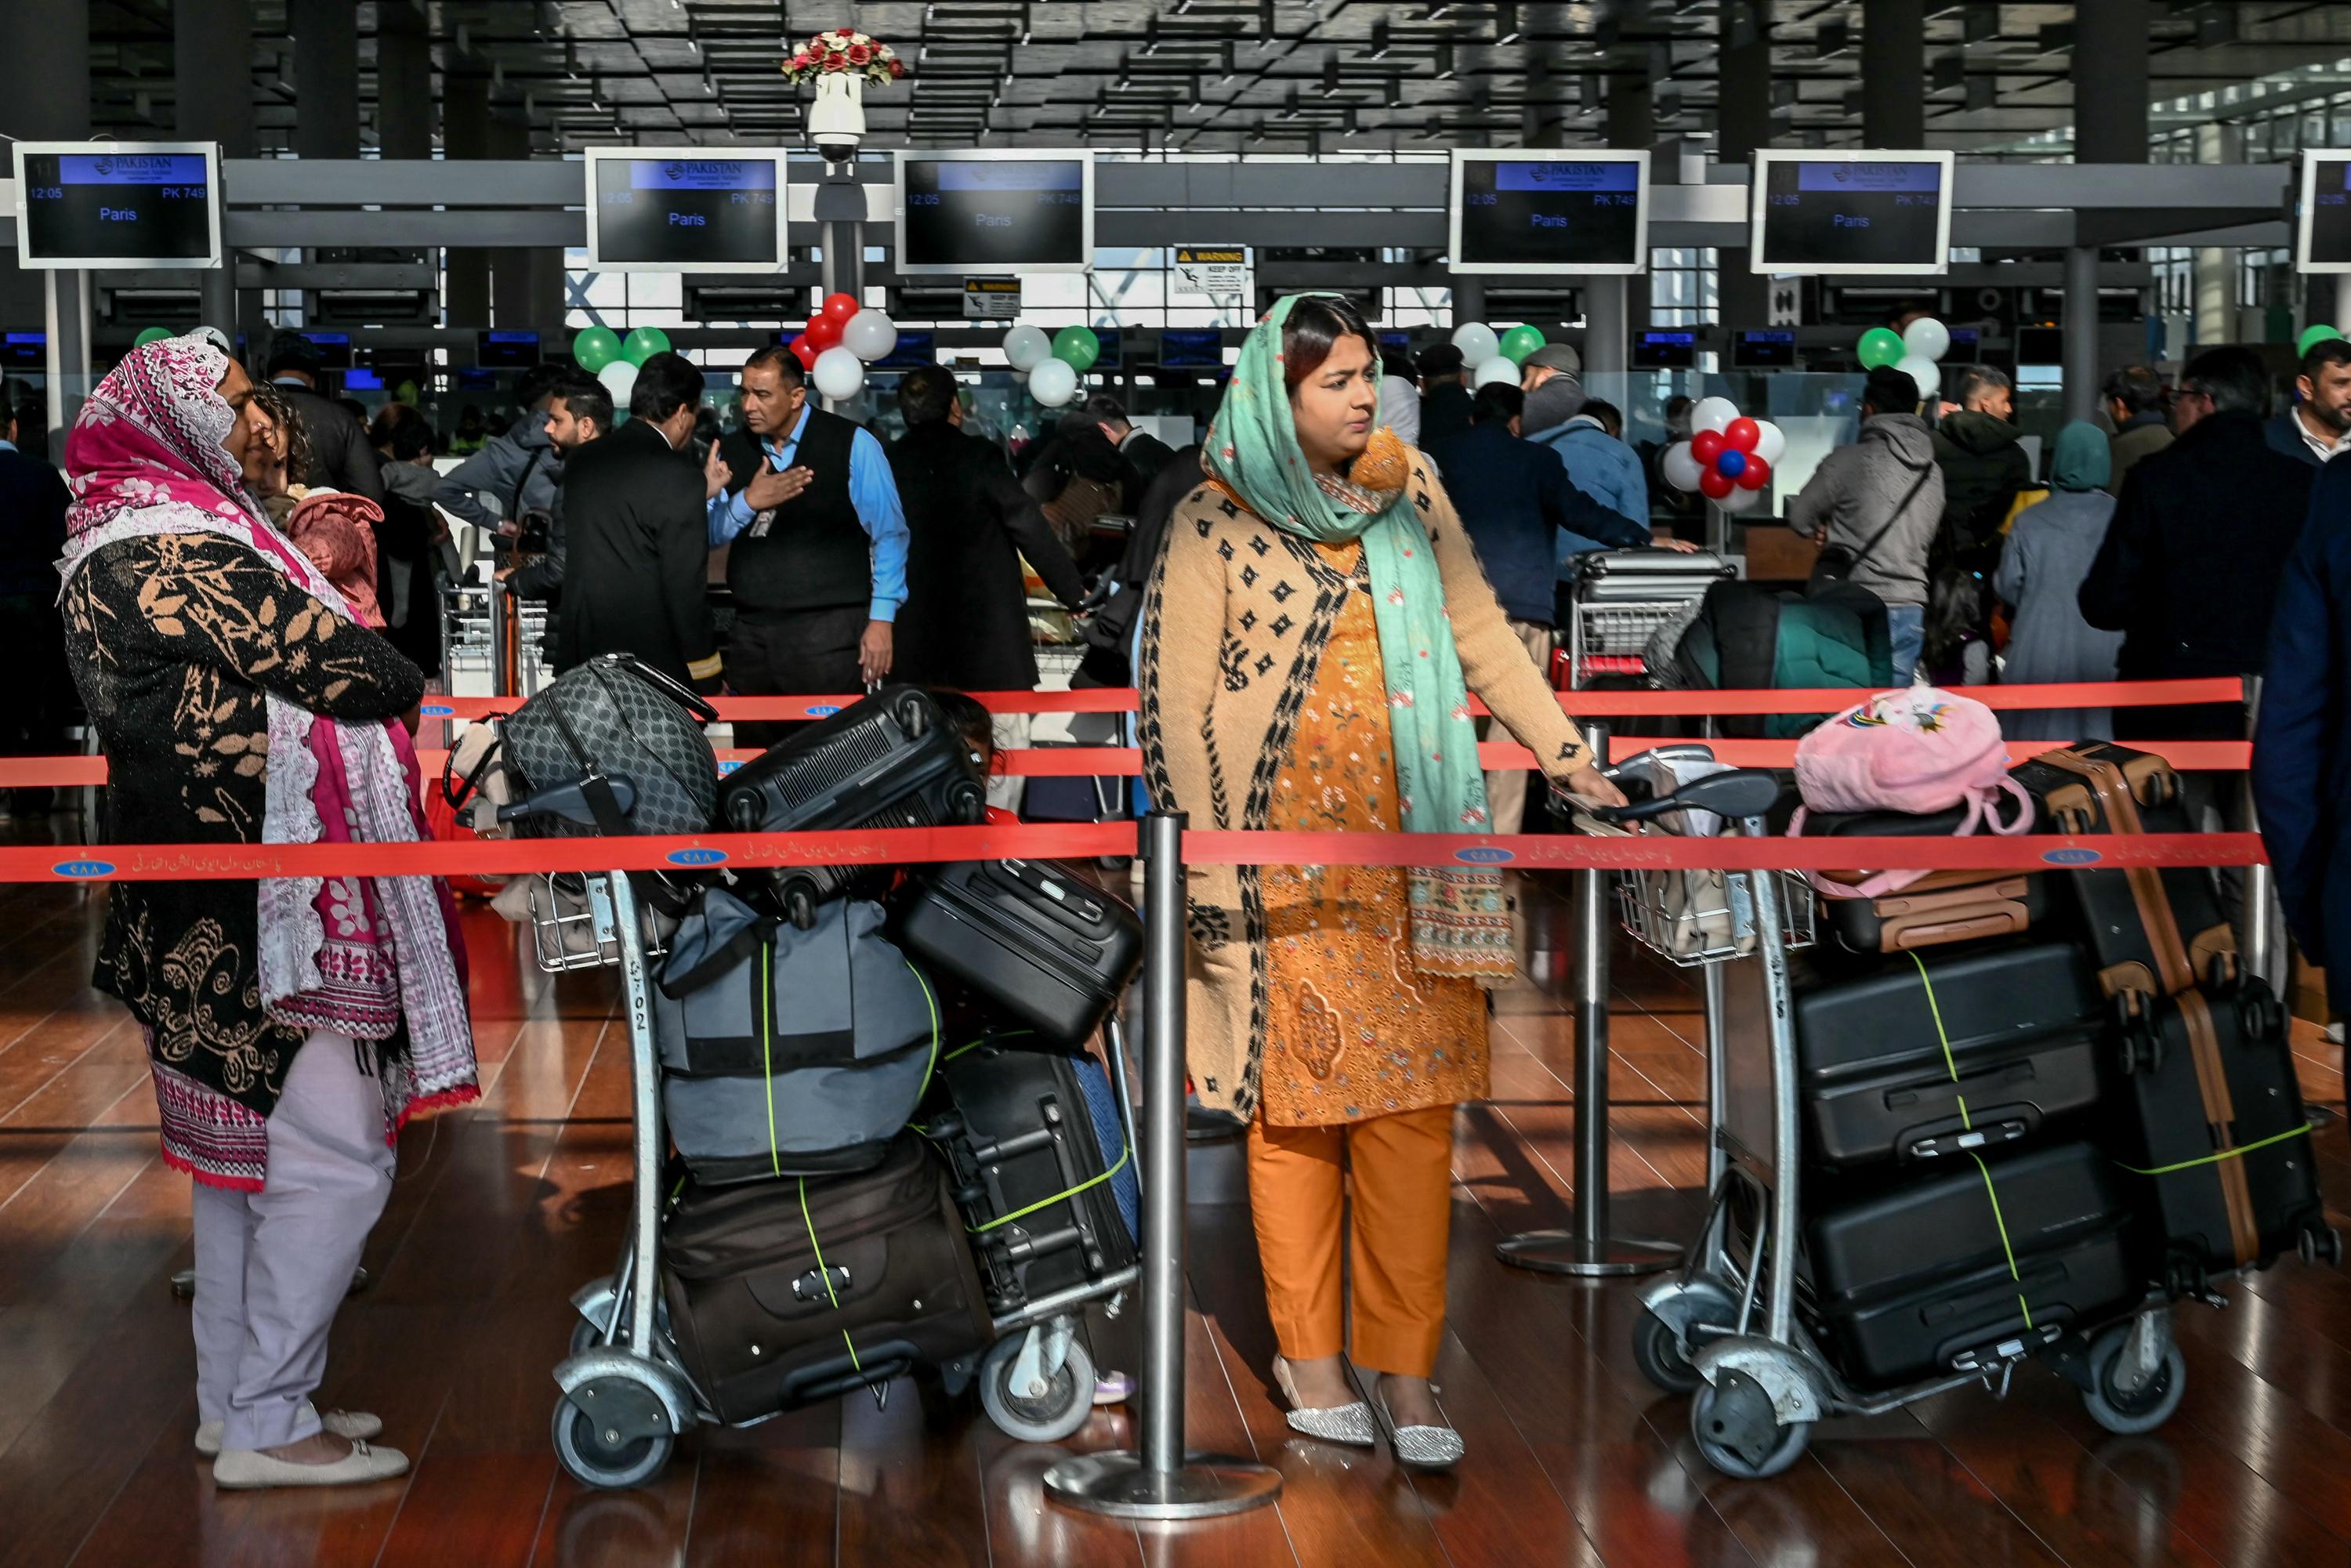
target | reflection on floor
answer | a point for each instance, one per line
(502, 1210)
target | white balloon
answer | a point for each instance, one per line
(619, 378)
(838, 373)
(1025, 347)
(1925, 372)
(1739, 500)
(1053, 382)
(1712, 413)
(1769, 441)
(1496, 368)
(869, 334)
(1926, 338)
(1477, 342)
(1680, 467)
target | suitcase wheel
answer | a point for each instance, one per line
(2322, 1246)
(600, 1455)
(1050, 1408)
(2140, 1051)
(800, 907)
(912, 712)
(2142, 1411)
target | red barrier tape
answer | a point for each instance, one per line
(180, 863)
(1125, 761)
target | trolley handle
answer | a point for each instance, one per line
(571, 801)
(1745, 793)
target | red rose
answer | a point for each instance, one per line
(800, 61)
(835, 62)
(897, 68)
(859, 54)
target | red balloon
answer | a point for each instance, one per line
(1706, 446)
(1756, 475)
(803, 350)
(1713, 484)
(840, 307)
(1742, 434)
(822, 332)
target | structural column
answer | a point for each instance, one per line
(2081, 338)
(326, 78)
(2214, 267)
(1744, 124)
(1894, 73)
(526, 283)
(1632, 125)
(466, 133)
(212, 72)
(403, 80)
(2110, 44)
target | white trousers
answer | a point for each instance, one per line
(272, 1266)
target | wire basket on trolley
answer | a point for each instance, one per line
(563, 925)
(1692, 917)
(472, 647)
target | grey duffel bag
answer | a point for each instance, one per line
(785, 1051)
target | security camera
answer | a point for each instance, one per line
(837, 120)
(838, 152)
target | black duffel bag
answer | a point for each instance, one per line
(613, 717)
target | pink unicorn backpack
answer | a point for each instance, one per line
(1917, 751)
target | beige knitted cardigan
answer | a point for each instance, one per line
(1234, 625)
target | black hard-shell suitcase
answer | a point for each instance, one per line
(763, 1327)
(2204, 1093)
(888, 761)
(1907, 1280)
(1939, 909)
(1042, 1169)
(1052, 951)
(2152, 932)
(2025, 1023)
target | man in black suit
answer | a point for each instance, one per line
(635, 564)
(1445, 401)
(340, 455)
(1144, 452)
(33, 501)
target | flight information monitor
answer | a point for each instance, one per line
(994, 212)
(117, 203)
(2323, 233)
(334, 349)
(1192, 348)
(1852, 212)
(1664, 351)
(1583, 213)
(1769, 349)
(512, 350)
(29, 350)
(681, 210)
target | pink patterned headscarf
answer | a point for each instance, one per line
(355, 955)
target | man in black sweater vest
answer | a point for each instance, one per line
(815, 545)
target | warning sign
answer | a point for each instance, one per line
(991, 298)
(1211, 270)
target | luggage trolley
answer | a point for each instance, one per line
(626, 1393)
(1618, 601)
(1724, 1326)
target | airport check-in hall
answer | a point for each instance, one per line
(1279, 781)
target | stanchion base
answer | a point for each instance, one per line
(1561, 1252)
(1115, 1483)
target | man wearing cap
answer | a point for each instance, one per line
(1445, 401)
(1601, 465)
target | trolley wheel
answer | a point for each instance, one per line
(587, 1336)
(599, 1458)
(1662, 1357)
(2151, 1406)
(1046, 1417)
(1737, 1432)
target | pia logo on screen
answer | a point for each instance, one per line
(2072, 857)
(1485, 854)
(675, 171)
(697, 857)
(104, 166)
(84, 869)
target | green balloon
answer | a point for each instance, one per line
(643, 343)
(2314, 335)
(153, 334)
(1519, 342)
(1077, 347)
(1881, 346)
(405, 392)
(595, 348)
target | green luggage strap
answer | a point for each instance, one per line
(1125, 1152)
(1950, 1065)
(2224, 1154)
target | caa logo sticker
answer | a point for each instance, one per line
(437, 710)
(823, 710)
(697, 857)
(1485, 854)
(729, 764)
(2072, 857)
(84, 868)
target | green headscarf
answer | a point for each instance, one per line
(1252, 448)
(2082, 459)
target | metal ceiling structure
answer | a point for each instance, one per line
(1233, 76)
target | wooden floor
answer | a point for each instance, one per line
(502, 1210)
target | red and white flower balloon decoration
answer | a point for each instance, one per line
(1728, 457)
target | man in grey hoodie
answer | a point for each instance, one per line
(518, 470)
(1882, 499)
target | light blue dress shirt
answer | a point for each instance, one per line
(872, 491)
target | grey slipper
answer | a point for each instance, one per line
(353, 1425)
(241, 1469)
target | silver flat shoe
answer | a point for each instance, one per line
(354, 1426)
(1423, 1447)
(1349, 1424)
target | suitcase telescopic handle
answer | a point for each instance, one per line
(1745, 792)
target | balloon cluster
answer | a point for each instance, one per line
(1913, 351)
(613, 359)
(839, 341)
(1493, 357)
(1052, 364)
(1728, 457)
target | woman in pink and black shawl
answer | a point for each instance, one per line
(292, 1025)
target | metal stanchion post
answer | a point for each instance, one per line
(1585, 1249)
(1157, 1478)
(2264, 917)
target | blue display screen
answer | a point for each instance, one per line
(1191, 349)
(1851, 212)
(1551, 211)
(118, 206)
(686, 211)
(994, 214)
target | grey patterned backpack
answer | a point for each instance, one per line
(616, 717)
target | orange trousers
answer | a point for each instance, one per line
(1399, 1168)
